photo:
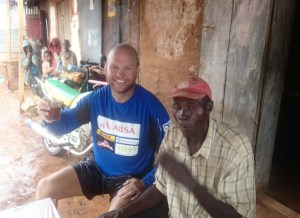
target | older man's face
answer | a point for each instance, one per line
(191, 115)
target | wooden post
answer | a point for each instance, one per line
(20, 38)
(8, 40)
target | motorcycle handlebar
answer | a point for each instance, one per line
(103, 60)
(87, 62)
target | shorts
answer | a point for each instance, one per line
(93, 182)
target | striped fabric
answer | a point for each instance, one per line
(224, 165)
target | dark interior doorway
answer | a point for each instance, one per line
(284, 183)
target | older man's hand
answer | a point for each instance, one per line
(177, 170)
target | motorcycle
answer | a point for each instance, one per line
(77, 142)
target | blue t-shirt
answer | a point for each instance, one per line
(125, 135)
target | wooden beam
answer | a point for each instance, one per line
(8, 41)
(274, 72)
(20, 38)
(275, 206)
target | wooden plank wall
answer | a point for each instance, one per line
(214, 49)
(124, 27)
(110, 27)
(243, 57)
(248, 37)
(273, 84)
(233, 42)
(130, 23)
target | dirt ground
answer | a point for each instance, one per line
(24, 161)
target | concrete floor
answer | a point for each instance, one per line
(24, 162)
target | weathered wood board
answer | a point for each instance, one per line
(234, 37)
(273, 84)
(214, 49)
(123, 26)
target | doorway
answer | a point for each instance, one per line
(64, 31)
(285, 173)
(36, 23)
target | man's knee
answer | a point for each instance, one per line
(43, 189)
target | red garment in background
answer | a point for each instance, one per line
(55, 48)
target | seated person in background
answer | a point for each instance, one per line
(128, 123)
(206, 168)
(67, 57)
(47, 66)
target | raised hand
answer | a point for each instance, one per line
(176, 170)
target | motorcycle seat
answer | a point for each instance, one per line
(61, 91)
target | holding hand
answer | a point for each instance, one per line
(132, 188)
(44, 110)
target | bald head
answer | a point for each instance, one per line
(121, 69)
(126, 49)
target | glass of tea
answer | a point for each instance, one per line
(54, 113)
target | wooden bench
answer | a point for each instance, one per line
(275, 206)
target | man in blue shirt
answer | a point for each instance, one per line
(128, 124)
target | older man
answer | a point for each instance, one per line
(206, 168)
